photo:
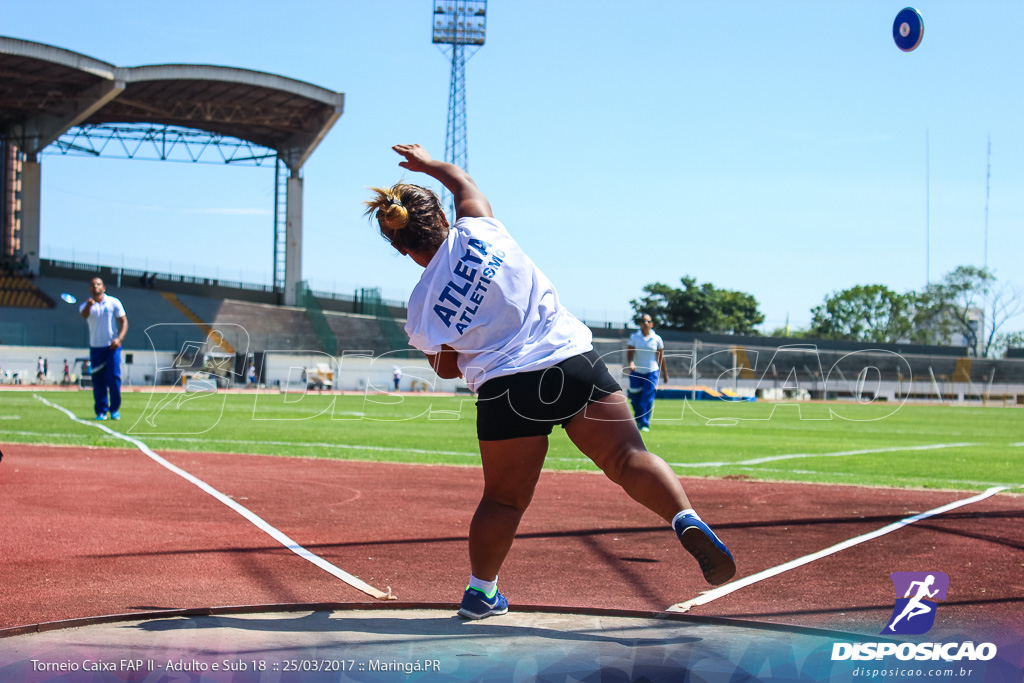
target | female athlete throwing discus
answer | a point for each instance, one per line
(484, 311)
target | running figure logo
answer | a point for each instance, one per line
(914, 612)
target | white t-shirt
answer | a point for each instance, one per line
(482, 296)
(646, 356)
(102, 320)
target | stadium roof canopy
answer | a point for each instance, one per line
(45, 90)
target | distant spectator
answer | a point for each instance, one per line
(108, 325)
(250, 375)
(144, 280)
(645, 361)
(396, 375)
(65, 379)
(40, 371)
(151, 283)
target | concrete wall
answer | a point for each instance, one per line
(21, 360)
(352, 373)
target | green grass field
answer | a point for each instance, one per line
(877, 445)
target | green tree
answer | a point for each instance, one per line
(1011, 340)
(967, 301)
(971, 302)
(949, 306)
(865, 313)
(735, 312)
(699, 308)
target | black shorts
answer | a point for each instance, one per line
(532, 403)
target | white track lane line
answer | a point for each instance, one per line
(835, 454)
(314, 444)
(258, 521)
(970, 482)
(733, 586)
(243, 442)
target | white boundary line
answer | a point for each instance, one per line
(314, 444)
(854, 474)
(836, 454)
(256, 520)
(355, 447)
(244, 442)
(422, 451)
(733, 586)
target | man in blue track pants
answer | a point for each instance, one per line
(645, 358)
(107, 326)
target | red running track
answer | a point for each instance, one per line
(90, 532)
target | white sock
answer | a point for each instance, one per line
(486, 587)
(689, 512)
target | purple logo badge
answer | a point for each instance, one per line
(917, 596)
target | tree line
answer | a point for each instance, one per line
(968, 302)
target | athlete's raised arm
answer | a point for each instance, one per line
(469, 200)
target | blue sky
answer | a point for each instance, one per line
(776, 148)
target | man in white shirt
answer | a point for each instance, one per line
(645, 358)
(108, 325)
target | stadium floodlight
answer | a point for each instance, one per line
(459, 27)
(460, 22)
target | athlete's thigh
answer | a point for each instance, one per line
(512, 468)
(605, 429)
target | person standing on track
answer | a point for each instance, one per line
(108, 325)
(484, 311)
(645, 358)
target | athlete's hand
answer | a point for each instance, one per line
(416, 158)
(114, 344)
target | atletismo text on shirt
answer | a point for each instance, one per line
(468, 270)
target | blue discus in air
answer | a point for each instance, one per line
(908, 29)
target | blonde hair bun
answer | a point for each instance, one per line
(410, 217)
(395, 216)
(388, 207)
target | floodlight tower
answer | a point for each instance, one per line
(462, 25)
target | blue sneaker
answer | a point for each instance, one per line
(476, 605)
(116, 415)
(101, 417)
(714, 558)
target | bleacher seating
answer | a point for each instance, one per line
(268, 327)
(357, 333)
(63, 325)
(19, 292)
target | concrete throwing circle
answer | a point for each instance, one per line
(402, 644)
